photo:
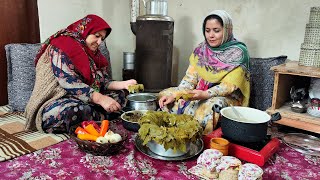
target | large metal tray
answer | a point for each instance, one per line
(195, 149)
(303, 143)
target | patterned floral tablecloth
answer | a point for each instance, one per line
(66, 161)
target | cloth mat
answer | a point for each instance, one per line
(15, 141)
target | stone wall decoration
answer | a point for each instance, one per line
(310, 48)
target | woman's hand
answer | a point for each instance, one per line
(199, 95)
(118, 85)
(164, 100)
(127, 83)
(108, 104)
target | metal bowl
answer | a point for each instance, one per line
(130, 119)
(160, 150)
(142, 101)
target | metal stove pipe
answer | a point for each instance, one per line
(134, 13)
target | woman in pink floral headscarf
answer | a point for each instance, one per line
(217, 74)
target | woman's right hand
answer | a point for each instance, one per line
(164, 100)
(108, 104)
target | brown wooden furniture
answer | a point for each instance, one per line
(287, 75)
(19, 24)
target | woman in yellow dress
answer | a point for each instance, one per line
(217, 74)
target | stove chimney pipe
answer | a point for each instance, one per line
(134, 13)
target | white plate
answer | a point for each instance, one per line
(313, 111)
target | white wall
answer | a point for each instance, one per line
(268, 27)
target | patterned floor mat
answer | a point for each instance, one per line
(15, 141)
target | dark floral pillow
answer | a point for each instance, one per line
(262, 80)
(21, 73)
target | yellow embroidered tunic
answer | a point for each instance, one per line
(222, 72)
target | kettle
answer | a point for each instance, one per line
(156, 7)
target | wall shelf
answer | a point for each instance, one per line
(288, 75)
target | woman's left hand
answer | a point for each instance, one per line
(199, 95)
(127, 83)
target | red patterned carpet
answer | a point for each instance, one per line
(65, 161)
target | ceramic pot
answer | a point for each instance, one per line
(220, 144)
(252, 127)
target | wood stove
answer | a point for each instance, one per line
(154, 46)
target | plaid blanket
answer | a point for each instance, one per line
(15, 141)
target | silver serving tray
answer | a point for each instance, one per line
(303, 143)
(195, 149)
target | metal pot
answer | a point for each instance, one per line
(157, 7)
(142, 101)
(252, 127)
(160, 150)
(128, 60)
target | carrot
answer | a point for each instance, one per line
(104, 127)
(91, 130)
(80, 130)
(87, 137)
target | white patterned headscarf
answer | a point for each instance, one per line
(227, 24)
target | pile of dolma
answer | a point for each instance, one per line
(170, 130)
(136, 88)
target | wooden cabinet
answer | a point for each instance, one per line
(288, 75)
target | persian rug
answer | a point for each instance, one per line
(66, 161)
(15, 141)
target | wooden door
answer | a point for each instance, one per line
(19, 24)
